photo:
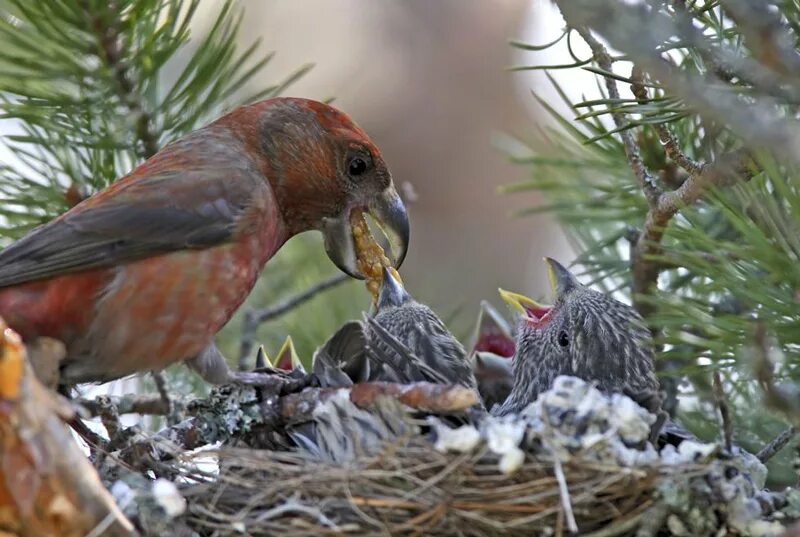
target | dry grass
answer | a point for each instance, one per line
(411, 490)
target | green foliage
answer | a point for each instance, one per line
(93, 87)
(730, 261)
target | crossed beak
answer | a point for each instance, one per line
(390, 215)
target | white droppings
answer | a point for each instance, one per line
(630, 420)
(687, 452)
(461, 439)
(122, 493)
(503, 437)
(168, 497)
(511, 461)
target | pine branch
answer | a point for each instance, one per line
(105, 26)
(604, 60)
(645, 267)
(777, 444)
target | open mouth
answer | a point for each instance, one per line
(538, 315)
(531, 311)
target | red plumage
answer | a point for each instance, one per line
(144, 273)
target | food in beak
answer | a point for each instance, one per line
(370, 257)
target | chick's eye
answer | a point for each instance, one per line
(563, 339)
(356, 166)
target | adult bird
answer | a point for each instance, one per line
(586, 334)
(145, 272)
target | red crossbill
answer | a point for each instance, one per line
(407, 342)
(144, 273)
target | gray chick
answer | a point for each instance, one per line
(403, 342)
(586, 334)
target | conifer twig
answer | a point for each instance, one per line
(671, 146)
(605, 61)
(110, 45)
(126, 404)
(777, 444)
(724, 411)
(163, 392)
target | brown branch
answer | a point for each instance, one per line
(605, 62)
(111, 54)
(290, 409)
(671, 146)
(724, 411)
(777, 444)
(777, 397)
(254, 318)
(126, 404)
(426, 396)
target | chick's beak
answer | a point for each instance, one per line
(389, 213)
(526, 307)
(392, 291)
(561, 280)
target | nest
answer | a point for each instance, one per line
(413, 490)
(359, 461)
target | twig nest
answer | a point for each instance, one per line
(725, 495)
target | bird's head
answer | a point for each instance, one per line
(584, 332)
(492, 333)
(392, 294)
(322, 166)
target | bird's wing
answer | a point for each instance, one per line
(435, 346)
(165, 211)
(388, 351)
(342, 360)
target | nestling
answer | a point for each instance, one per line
(586, 334)
(404, 342)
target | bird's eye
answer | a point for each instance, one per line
(563, 339)
(357, 166)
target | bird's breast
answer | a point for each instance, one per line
(165, 309)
